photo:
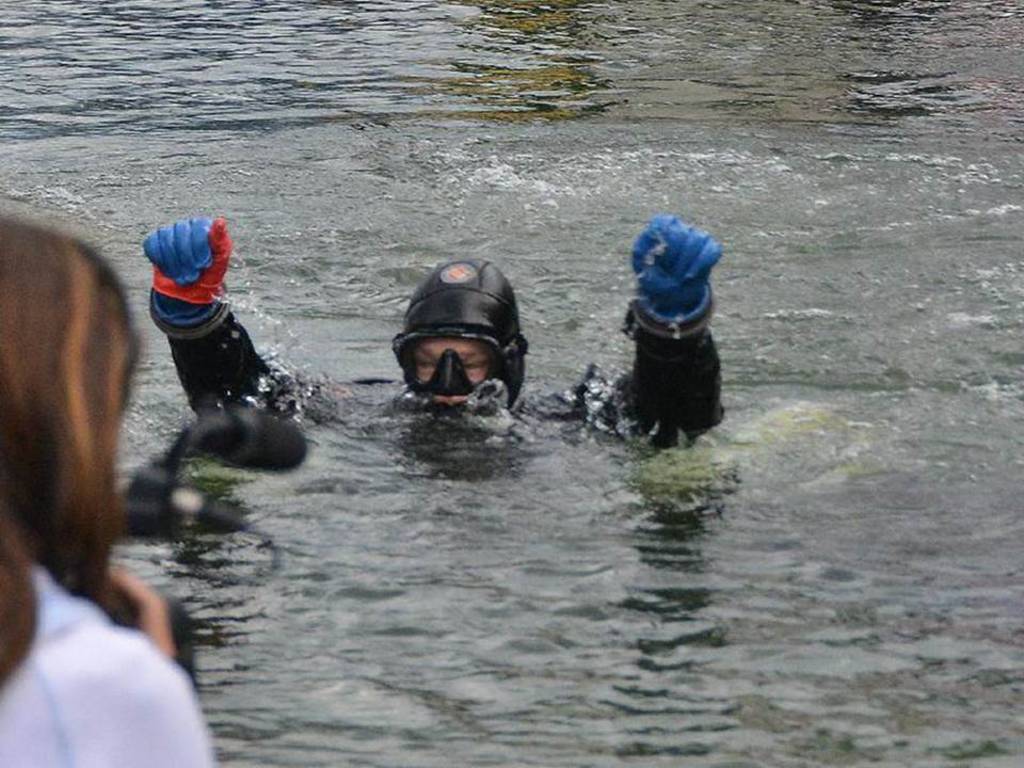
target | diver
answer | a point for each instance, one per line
(461, 342)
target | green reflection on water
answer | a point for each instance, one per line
(550, 78)
(527, 17)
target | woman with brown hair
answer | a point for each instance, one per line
(75, 689)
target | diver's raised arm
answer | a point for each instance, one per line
(212, 352)
(676, 379)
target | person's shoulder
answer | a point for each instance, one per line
(147, 703)
(97, 653)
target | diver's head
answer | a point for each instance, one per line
(461, 329)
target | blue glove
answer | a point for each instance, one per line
(181, 250)
(190, 259)
(673, 262)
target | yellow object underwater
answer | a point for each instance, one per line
(799, 435)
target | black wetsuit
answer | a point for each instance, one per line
(674, 386)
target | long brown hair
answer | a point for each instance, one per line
(66, 354)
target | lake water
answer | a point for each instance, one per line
(832, 577)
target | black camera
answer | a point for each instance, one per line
(160, 505)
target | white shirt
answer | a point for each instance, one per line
(91, 694)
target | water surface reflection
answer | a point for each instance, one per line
(525, 60)
(832, 577)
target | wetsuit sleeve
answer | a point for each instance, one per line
(216, 361)
(676, 385)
